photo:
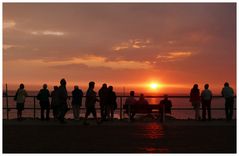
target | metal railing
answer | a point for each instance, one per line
(120, 109)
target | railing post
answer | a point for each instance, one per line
(163, 113)
(129, 112)
(7, 103)
(34, 107)
(121, 104)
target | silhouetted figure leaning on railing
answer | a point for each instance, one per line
(228, 94)
(103, 95)
(76, 102)
(54, 102)
(206, 98)
(20, 97)
(195, 100)
(43, 97)
(111, 101)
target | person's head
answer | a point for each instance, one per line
(44, 86)
(91, 84)
(55, 88)
(21, 86)
(110, 88)
(195, 86)
(76, 87)
(206, 86)
(226, 84)
(131, 93)
(104, 85)
(166, 96)
(141, 97)
(63, 82)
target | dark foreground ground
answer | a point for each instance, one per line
(174, 136)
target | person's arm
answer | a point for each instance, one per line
(222, 92)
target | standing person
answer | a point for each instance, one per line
(228, 94)
(206, 98)
(20, 97)
(195, 100)
(103, 93)
(43, 97)
(128, 103)
(62, 98)
(54, 102)
(90, 102)
(112, 104)
(76, 103)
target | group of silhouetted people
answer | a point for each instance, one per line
(165, 105)
(205, 97)
(108, 104)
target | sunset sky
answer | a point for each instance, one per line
(124, 45)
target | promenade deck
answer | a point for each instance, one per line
(119, 136)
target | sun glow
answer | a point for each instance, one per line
(154, 86)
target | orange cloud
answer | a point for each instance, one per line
(133, 43)
(9, 24)
(172, 56)
(48, 32)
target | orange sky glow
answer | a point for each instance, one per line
(128, 46)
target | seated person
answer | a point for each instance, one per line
(129, 102)
(142, 100)
(166, 103)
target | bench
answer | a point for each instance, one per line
(144, 109)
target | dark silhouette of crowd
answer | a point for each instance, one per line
(108, 102)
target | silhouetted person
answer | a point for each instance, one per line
(103, 93)
(77, 95)
(129, 102)
(90, 102)
(20, 97)
(195, 100)
(43, 97)
(228, 94)
(166, 103)
(112, 104)
(142, 100)
(206, 98)
(62, 98)
(54, 102)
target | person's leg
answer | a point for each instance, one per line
(231, 109)
(112, 112)
(226, 109)
(209, 110)
(48, 113)
(42, 113)
(74, 111)
(204, 110)
(198, 111)
(77, 111)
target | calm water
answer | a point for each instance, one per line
(177, 103)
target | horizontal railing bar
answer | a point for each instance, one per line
(173, 96)
(119, 108)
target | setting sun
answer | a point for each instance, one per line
(154, 86)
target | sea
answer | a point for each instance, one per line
(182, 108)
